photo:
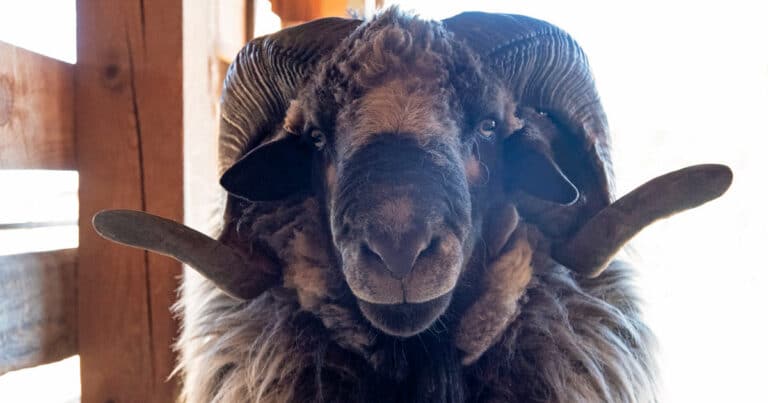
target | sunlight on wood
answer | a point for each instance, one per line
(265, 21)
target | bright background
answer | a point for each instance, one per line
(43, 26)
(685, 83)
(682, 83)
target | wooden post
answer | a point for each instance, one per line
(295, 12)
(129, 124)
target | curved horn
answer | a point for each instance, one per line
(232, 273)
(259, 85)
(545, 69)
(595, 244)
(263, 79)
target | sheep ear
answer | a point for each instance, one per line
(272, 171)
(529, 168)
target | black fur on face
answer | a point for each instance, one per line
(405, 138)
(395, 107)
(400, 218)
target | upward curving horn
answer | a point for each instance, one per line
(260, 83)
(591, 249)
(238, 276)
(544, 69)
(264, 78)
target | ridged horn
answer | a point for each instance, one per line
(259, 85)
(592, 248)
(545, 69)
(265, 77)
(237, 275)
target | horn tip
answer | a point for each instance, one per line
(723, 175)
(117, 225)
(710, 180)
(101, 222)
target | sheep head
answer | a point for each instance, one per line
(424, 143)
(408, 141)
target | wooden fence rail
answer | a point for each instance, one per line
(38, 308)
(38, 291)
(37, 118)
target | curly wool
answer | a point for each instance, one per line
(306, 341)
(393, 46)
(571, 342)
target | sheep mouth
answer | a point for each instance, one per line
(405, 319)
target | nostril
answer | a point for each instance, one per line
(369, 253)
(429, 249)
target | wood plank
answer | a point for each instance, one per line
(36, 111)
(129, 110)
(294, 12)
(250, 20)
(38, 308)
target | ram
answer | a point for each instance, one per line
(417, 211)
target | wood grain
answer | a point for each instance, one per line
(36, 111)
(293, 12)
(38, 308)
(129, 118)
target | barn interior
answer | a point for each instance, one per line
(114, 104)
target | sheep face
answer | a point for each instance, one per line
(398, 156)
(407, 138)
(399, 204)
(395, 126)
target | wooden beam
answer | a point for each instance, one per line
(129, 119)
(38, 308)
(36, 114)
(250, 20)
(293, 12)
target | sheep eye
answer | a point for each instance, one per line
(318, 138)
(487, 128)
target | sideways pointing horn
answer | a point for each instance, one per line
(588, 252)
(238, 276)
(595, 244)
